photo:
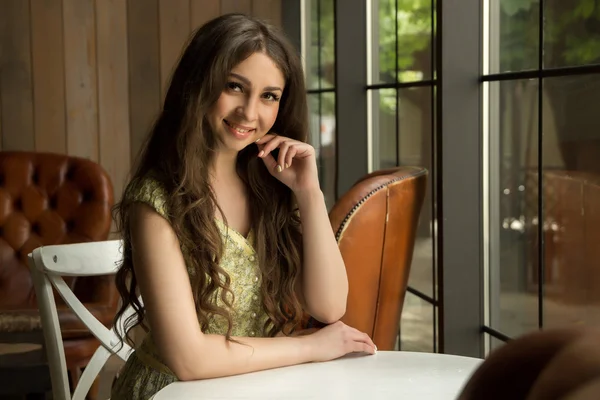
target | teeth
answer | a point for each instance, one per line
(236, 128)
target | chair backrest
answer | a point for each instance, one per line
(48, 265)
(48, 199)
(375, 224)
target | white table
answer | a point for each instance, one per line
(385, 375)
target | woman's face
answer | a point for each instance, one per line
(248, 105)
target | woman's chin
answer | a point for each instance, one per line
(235, 146)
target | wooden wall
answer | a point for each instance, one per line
(86, 77)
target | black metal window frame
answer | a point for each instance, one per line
(540, 73)
(320, 90)
(456, 177)
(457, 174)
(431, 83)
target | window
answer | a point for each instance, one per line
(507, 128)
(401, 88)
(542, 82)
(319, 56)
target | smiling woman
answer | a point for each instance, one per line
(225, 230)
(248, 107)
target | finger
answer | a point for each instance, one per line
(290, 156)
(369, 341)
(271, 145)
(359, 347)
(365, 348)
(270, 163)
(363, 337)
(283, 150)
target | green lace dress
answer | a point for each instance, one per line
(144, 373)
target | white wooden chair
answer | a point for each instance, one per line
(48, 265)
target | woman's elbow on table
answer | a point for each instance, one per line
(330, 315)
(187, 364)
(187, 370)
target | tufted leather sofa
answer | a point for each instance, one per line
(52, 199)
(375, 225)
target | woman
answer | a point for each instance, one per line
(226, 234)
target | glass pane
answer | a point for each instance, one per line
(401, 40)
(383, 42)
(414, 40)
(327, 161)
(571, 33)
(416, 325)
(314, 120)
(384, 128)
(327, 44)
(513, 197)
(571, 189)
(514, 35)
(320, 39)
(414, 149)
(322, 138)
(311, 58)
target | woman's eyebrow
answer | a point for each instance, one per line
(247, 82)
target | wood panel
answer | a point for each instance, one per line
(144, 69)
(113, 92)
(48, 75)
(81, 90)
(0, 97)
(16, 89)
(268, 10)
(236, 6)
(87, 77)
(202, 11)
(174, 22)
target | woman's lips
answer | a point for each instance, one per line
(239, 131)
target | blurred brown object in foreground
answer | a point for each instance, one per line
(545, 365)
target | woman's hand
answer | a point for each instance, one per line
(337, 340)
(296, 165)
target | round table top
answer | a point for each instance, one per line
(385, 375)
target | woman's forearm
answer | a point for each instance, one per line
(213, 356)
(324, 280)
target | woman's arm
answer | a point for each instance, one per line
(324, 284)
(324, 279)
(165, 288)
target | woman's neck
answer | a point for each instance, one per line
(224, 167)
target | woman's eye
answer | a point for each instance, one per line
(234, 86)
(271, 96)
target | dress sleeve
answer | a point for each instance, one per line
(149, 191)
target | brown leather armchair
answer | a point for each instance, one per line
(51, 199)
(571, 233)
(375, 224)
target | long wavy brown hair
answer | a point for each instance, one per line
(178, 152)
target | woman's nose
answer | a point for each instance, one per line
(249, 110)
